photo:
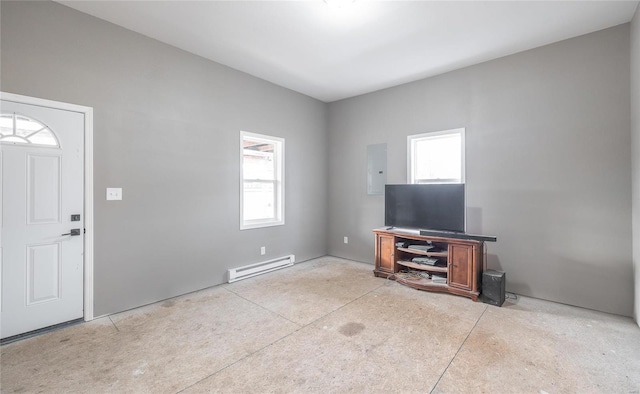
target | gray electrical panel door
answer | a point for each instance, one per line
(376, 168)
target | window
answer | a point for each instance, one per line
(19, 129)
(436, 157)
(262, 181)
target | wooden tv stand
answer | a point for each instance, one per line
(460, 261)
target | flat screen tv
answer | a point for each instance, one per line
(439, 207)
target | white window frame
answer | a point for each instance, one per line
(412, 141)
(26, 140)
(278, 182)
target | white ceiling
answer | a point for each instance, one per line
(331, 53)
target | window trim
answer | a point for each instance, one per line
(279, 187)
(411, 139)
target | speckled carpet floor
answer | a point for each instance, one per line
(328, 325)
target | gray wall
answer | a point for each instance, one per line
(548, 164)
(167, 129)
(548, 157)
(635, 136)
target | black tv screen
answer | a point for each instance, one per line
(438, 207)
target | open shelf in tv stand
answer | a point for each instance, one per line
(461, 259)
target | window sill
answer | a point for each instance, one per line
(252, 225)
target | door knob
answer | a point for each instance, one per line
(73, 231)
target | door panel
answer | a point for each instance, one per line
(460, 257)
(43, 273)
(386, 253)
(43, 189)
(42, 268)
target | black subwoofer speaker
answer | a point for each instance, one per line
(493, 283)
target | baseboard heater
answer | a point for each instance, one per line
(236, 274)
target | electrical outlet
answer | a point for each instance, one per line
(346, 240)
(263, 250)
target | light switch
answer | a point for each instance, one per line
(114, 193)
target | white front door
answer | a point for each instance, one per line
(41, 163)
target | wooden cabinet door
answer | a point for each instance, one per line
(460, 266)
(385, 253)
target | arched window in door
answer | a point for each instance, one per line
(19, 129)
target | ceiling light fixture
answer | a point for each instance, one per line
(339, 4)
